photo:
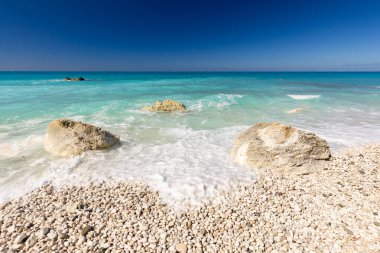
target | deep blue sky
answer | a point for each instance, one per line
(189, 35)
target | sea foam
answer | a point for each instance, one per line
(194, 165)
(219, 102)
(303, 97)
(10, 149)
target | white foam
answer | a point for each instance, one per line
(303, 97)
(11, 149)
(56, 80)
(219, 101)
(241, 154)
(340, 135)
(47, 81)
(192, 166)
(78, 117)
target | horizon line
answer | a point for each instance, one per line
(204, 71)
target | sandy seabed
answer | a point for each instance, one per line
(335, 210)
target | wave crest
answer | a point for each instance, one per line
(15, 148)
(219, 102)
(303, 97)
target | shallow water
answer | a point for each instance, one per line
(184, 156)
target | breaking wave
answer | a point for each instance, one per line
(304, 97)
(218, 102)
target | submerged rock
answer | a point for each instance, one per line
(167, 105)
(74, 79)
(69, 138)
(280, 147)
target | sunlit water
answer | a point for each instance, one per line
(184, 156)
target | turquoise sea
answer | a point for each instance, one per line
(184, 156)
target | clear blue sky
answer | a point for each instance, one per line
(189, 35)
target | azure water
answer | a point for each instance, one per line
(186, 155)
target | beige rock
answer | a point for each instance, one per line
(72, 208)
(43, 232)
(31, 241)
(167, 105)
(21, 238)
(69, 138)
(85, 230)
(17, 246)
(181, 247)
(280, 147)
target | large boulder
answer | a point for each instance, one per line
(69, 138)
(167, 105)
(281, 148)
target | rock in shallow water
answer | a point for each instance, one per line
(280, 147)
(69, 138)
(74, 79)
(167, 105)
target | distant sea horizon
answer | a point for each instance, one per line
(203, 71)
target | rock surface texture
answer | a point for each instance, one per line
(281, 147)
(69, 138)
(167, 105)
(336, 210)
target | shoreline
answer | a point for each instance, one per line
(335, 210)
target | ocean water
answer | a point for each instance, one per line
(184, 156)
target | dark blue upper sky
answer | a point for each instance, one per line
(189, 35)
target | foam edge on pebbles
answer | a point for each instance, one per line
(336, 210)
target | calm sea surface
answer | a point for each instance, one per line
(184, 156)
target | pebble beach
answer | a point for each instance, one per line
(335, 210)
